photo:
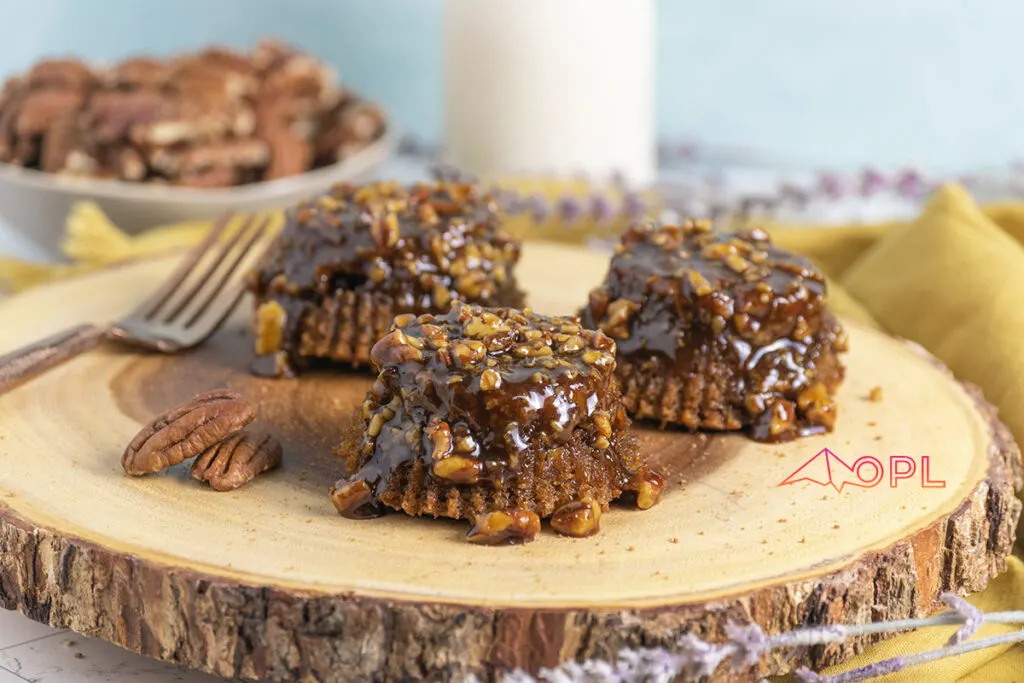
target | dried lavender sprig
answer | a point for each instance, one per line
(569, 207)
(894, 664)
(695, 657)
(972, 616)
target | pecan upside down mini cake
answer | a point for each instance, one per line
(497, 416)
(720, 331)
(349, 261)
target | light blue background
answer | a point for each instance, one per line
(885, 82)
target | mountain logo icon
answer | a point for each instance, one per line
(825, 468)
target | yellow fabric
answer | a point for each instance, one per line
(948, 280)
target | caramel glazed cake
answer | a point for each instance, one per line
(497, 416)
(720, 331)
(347, 262)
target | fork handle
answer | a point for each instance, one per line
(23, 364)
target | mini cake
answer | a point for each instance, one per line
(720, 331)
(349, 261)
(496, 416)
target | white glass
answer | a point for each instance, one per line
(550, 86)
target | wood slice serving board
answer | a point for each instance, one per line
(268, 582)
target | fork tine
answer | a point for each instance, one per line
(215, 289)
(150, 306)
(208, 322)
(199, 282)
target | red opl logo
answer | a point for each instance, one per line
(828, 469)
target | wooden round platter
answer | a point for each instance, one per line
(268, 582)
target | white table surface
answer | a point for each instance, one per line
(33, 652)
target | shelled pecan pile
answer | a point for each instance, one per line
(215, 118)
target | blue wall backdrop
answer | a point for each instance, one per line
(884, 82)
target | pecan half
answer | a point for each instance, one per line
(237, 460)
(186, 431)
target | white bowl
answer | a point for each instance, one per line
(35, 204)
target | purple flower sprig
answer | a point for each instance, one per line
(599, 206)
(745, 645)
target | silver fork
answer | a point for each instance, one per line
(188, 308)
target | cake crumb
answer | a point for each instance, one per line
(79, 655)
(700, 533)
(872, 424)
(70, 643)
(803, 539)
(630, 548)
(835, 526)
(875, 395)
(782, 520)
(673, 540)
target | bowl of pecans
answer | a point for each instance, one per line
(157, 141)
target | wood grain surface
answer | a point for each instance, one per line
(268, 582)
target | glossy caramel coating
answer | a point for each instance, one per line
(350, 260)
(720, 331)
(485, 409)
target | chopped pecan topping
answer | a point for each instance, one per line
(579, 518)
(504, 527)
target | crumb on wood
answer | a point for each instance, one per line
(764, 541)
(875, 395)
(69, 643)
(872, 424)
(878, 438)
(835, 526)
(700, 533)
(782, 520)
(673, 540)
(79, 655)
(630, 548)
(803, 539)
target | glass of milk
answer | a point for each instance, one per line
(559, 87)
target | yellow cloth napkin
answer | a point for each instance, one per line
(947, 280)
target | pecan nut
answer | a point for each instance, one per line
(237, 460)
(579, 518)
(504, 527)
(186, 431)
